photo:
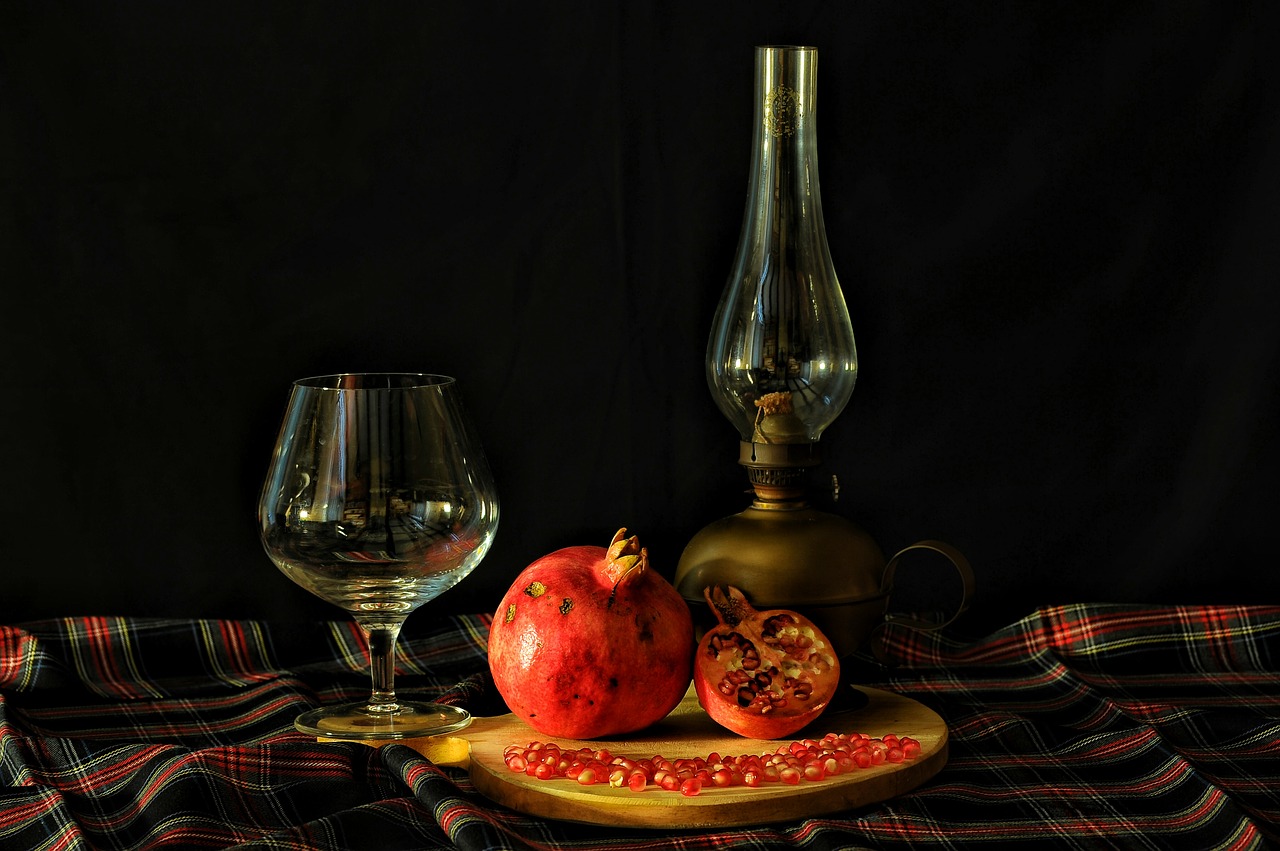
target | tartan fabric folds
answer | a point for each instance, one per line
(1076, 727)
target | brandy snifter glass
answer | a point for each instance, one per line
(378, 499)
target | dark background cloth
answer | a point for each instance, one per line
(1055, 225)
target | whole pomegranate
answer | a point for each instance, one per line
(589, 642)
(764, 674)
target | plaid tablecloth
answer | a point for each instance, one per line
(1076, 727)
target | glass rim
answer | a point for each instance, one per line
(374, 381)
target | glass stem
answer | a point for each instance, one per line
(381, 633)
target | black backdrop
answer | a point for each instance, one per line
(1055, 225)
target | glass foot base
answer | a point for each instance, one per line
(355, 721)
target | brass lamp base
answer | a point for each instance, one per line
(782, 553)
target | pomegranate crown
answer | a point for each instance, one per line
(730, 605)
(625, 557)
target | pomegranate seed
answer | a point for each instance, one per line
(804, 760)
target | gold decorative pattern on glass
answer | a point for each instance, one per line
(782, 111)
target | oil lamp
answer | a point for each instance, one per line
(781, 365)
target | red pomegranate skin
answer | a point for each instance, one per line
(589, 642)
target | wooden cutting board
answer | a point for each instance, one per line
(688, 732)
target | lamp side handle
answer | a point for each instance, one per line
(918, 621)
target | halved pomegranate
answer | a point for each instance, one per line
(765, 674)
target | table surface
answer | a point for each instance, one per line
(1100, 726)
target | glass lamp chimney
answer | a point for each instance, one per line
(781, 360)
